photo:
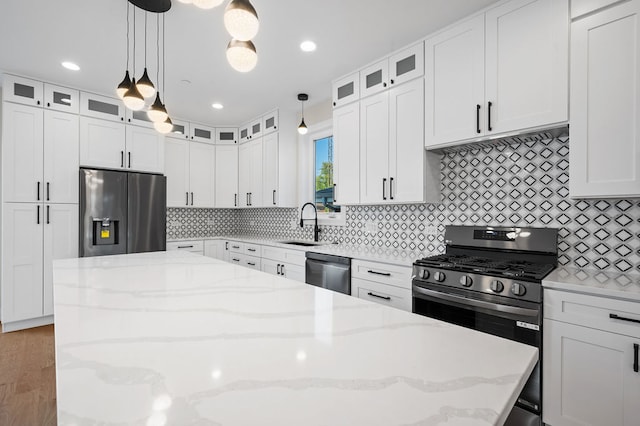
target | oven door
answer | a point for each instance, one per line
(519, 321)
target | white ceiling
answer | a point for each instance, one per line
(36, 35)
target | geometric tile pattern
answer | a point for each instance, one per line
(199, 223)
(524, 184)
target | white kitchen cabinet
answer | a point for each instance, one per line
(250, 186)
(181, 129)
(226, 176)
(243, 132)
(605, 126)
(394, 167)
(346, 137)
(454, 83)
(346, 90)
(102, 143)
(270, 168)
(476, 83)
(22, 90)
(145, 150)
(382, 294)
(138, 118)
(202, 160)
(286, 270)
(226, 136)
(388, 285)
(589, 364)
(104, 107)
(61, 98)
(406, 64)
(374, 78)
(190, 172)
(214, 249)
(40, 155)
(255, 128)
(251, 262)
(582, 7)
(60, 242)
(192, 246)
(201, 133)
(270, 122)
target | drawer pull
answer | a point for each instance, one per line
(635, 357)
(235, 247)
(384, 274)
(251, 264)
(180, 247)
(378, 296)
(251, 249)
(615, 316)
(236, 260)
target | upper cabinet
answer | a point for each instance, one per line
(181, 129)
(346, 90)
(138, 118)
(226, 136)
(605, 126)
(346, 135)
(270, 122)
(61, 98)
(23, 90)
(406, 64)
(487, 76)
(102, 107)
(200, 133)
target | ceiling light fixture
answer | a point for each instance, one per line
(132, 98)
(166, 125)
(126, 81)
(157, 112)
(186, 1)
(308, 46)
(217, 105)
(145, 86)
(242, 55)
(207, 4)
(302, 128)
(71, 66)
(241, 20)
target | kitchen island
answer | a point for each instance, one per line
(173, 338)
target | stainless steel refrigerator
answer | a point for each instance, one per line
(121, 212)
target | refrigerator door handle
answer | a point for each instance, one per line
(38, 216)
(121, 158)
(129, 155)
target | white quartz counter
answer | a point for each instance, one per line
(173, 338)
(598, 283)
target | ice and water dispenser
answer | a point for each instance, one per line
(105, 231)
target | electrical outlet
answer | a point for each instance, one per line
(432, 230)
(175, 223)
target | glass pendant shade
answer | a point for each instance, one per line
(157, 112)
(207, 4)
(145, 86)
(186, 1)
(164, 127)
(242, 55)
(241, 20)
(302, 128)
(124, 85)
(132, 98)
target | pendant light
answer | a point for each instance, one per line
(207, 4)
(145, 86)
(126, 82)
(132, 98)
(241, 20)
(157, 112)
(164, 126)
(242, 55)
(186, 1)
(302, 128)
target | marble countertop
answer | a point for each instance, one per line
(598, 283)
(175, 338)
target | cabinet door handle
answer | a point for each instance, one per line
(392, 81)
(192, 198)
(478, 119)
(617, 317)
(251, 198)
(635, 357)
(38, 192)
(391, 188)
(236, 260)
(247, 198)
(48, 191)
(384, 186)
(384, 274)
(282, 270)
(489, 116)
(235, 200)
(274, 197)
(121, 158)
(250, 249)
(384, 84)
(335, 198)
(251, 264)
(278, 269)
(226, 245)
(48, 207)
(183, 247)
(378, 296)
(38, 216)
(129, 155)
(187, 202)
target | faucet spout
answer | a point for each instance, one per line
(316, 230)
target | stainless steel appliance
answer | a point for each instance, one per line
(121, 212)
(489, 279)
(328, 271)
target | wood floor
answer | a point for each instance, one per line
(27, 378)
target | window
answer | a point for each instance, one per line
(323, 175)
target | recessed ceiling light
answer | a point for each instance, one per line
(217, 105)
(70, 66)
(308, 46)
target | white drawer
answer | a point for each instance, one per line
(246, 261)
(399, 276)
(196, 246)
(593, 311)
(236, 247)
(294, 257)
(382, 293)
(253, 249)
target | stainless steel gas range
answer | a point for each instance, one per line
(489, 279)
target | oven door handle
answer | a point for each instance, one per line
(515, 310)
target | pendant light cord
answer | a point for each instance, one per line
(164, 28)
(145, 39)
(128, 25)
(158, 51)
(134, 42)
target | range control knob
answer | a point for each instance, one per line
(496, 286)
(424, 274)
(439, 276)
(518, 289)
(466, 281)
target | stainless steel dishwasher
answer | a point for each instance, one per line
(328, 271)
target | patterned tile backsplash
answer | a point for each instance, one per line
(506, 185)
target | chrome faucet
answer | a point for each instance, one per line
(316, 230)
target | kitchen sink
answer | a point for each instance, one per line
(302, 243)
